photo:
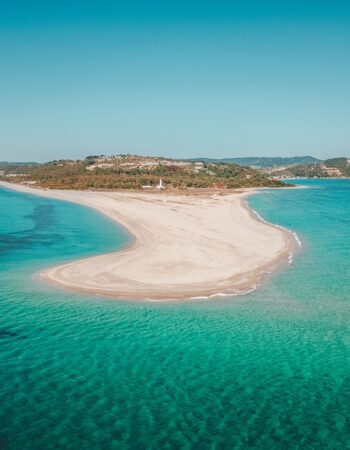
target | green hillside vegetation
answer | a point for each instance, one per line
(342, 163)
(303, 170)
(135, 172)
(330, 168)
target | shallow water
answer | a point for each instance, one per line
(266, 370)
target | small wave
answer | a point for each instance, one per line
(252, 289)
(296, 237)
(222, 294)
(225, 294)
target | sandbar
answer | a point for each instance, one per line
(185, 244)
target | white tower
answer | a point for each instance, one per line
(160, 185)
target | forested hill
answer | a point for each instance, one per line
(330, 168)
(136, 172)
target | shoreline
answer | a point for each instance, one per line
(185, 245)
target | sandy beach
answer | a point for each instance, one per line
(185, 244)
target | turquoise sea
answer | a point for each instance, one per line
(268, 370)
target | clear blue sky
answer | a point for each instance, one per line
(180, 79)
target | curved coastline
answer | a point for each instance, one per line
(178, 250)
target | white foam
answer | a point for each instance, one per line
(293, 233)
(296, 237)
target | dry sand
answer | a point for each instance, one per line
(185, 245)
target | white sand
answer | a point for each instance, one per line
(192, 245)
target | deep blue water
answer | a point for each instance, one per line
(267, 370)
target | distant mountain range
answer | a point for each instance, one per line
(22, 164)
(262, 161)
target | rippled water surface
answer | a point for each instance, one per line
(267, 370)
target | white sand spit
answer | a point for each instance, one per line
(186, 244)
